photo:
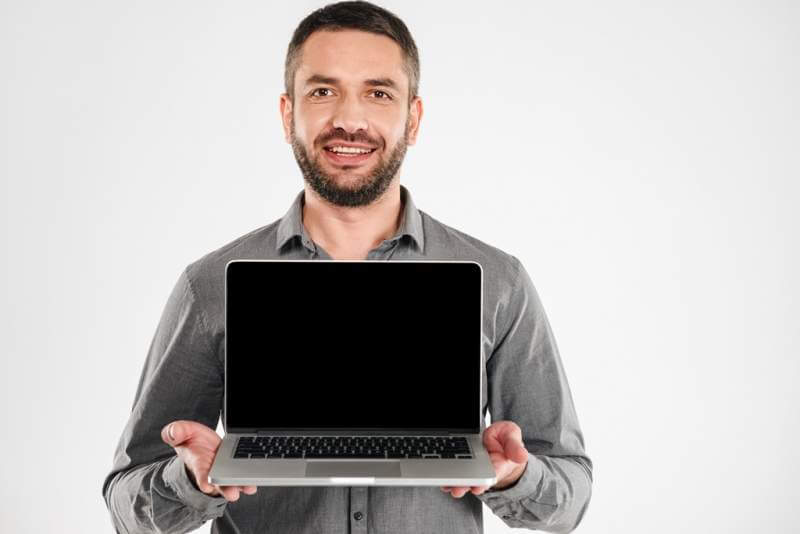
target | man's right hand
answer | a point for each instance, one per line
(197, 444)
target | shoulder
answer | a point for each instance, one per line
(501, 269)
(206, 274)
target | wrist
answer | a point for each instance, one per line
(511, 479)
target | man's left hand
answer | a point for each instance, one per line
(503, 441)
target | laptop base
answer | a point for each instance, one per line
(475, 471)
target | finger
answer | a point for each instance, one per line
(459, 492)
(502, 431)
(492, 436)
(517, 452)
(249, 490)
(508, 435)
(210, 489)
(446, 488)
(206, 487)
(231, 493)
(175, 433)
(477, 490)
(167, 435)
(514, 449)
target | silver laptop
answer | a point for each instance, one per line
(352, 373)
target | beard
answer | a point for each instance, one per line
(365, 189)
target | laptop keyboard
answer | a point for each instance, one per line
(352, 447)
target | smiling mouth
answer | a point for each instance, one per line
(348, 151)
(348, 156)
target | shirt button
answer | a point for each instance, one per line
(358, 516)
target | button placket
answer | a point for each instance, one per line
(358, 509)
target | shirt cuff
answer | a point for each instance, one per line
(525, 486)
(177, 478)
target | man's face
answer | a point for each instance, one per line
(349, 120)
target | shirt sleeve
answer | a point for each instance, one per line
(148, 488)
(527, 385)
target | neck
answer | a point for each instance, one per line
(351, 232)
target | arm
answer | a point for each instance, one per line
(148, 488)
(527, 385)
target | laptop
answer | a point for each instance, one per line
(352, 373)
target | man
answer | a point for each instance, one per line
(350, 110)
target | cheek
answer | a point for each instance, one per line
(396, 135)
(397, 131)
(390, 131)
(309, 124)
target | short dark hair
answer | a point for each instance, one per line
(358, 15)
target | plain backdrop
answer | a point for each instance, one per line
(641, 160)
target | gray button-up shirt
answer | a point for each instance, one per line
(149, 490)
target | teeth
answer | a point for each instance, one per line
(349, 150)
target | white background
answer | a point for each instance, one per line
(642, 162)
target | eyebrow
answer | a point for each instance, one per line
(319, 78)
(381, 82)
(372, 82)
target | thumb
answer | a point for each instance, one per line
(174, 433)
(515, 451)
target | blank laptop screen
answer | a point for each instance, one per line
(373, 345)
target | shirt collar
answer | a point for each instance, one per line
(291, 223)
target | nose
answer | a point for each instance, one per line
(350, 115)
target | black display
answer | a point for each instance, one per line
(372, 345)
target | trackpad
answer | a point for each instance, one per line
(353, 469)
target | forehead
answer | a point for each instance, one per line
(351, 55)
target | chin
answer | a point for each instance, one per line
(347, 175)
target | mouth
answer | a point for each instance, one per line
(348, 154)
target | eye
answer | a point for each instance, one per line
(381, 95)
(322, 91)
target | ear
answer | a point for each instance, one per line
(415, 115)
(286, 116)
